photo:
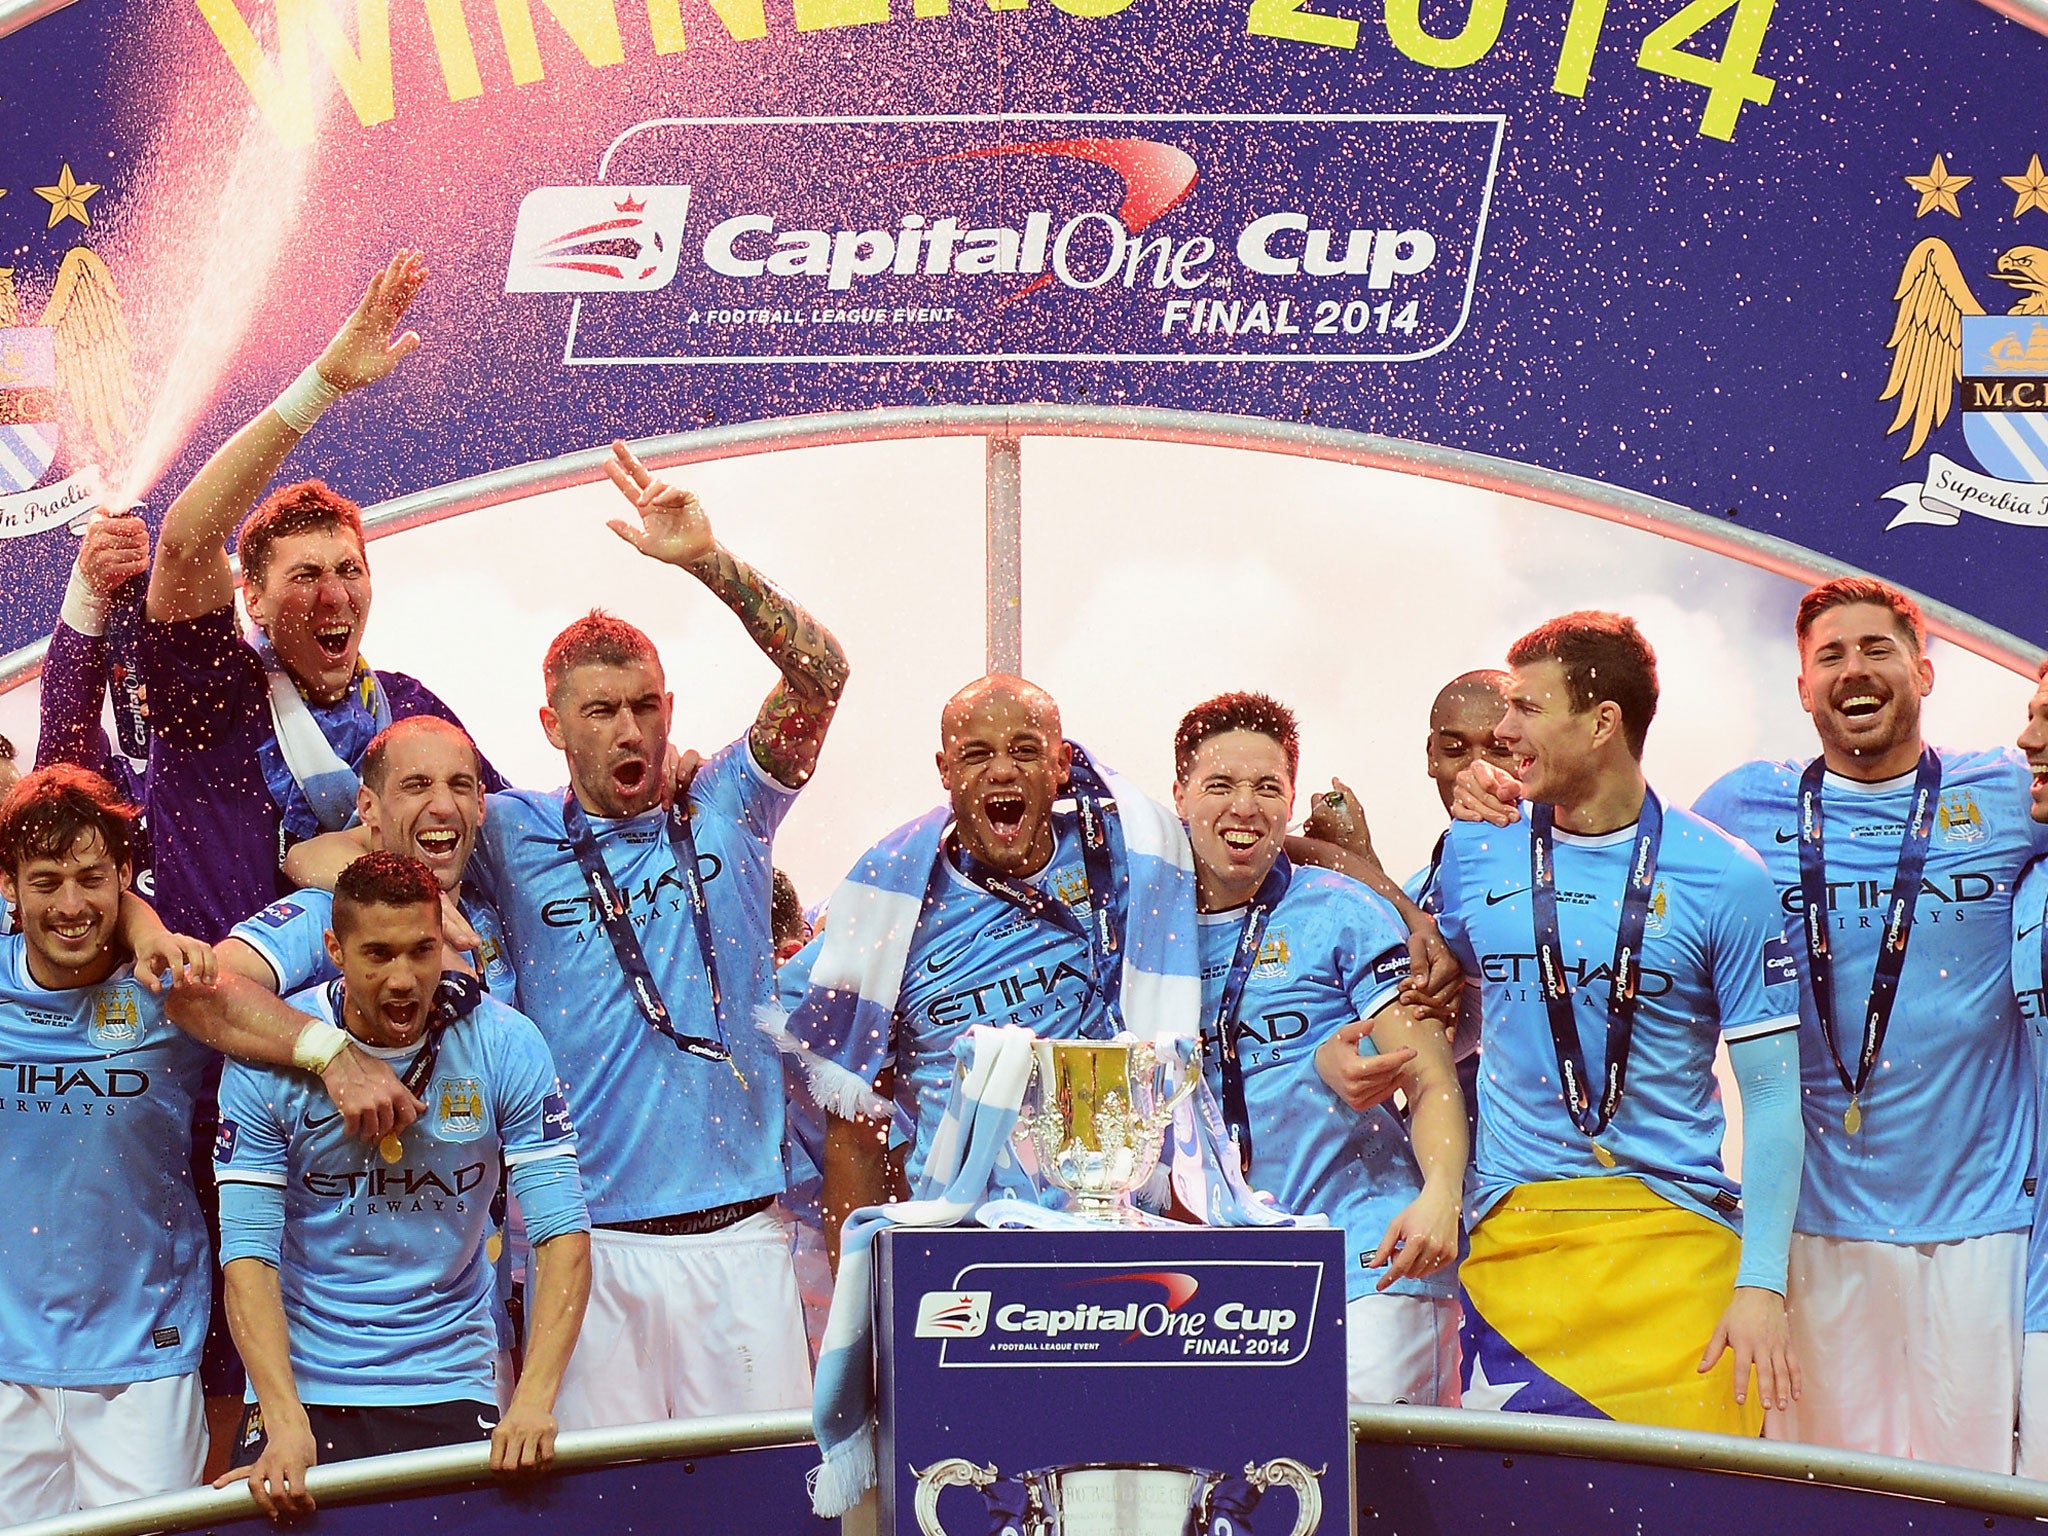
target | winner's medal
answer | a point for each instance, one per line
(1898, 922)
(1625, 988)
(391, 1148)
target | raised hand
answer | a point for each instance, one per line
(115, 550)
(673, 526)
(1335, 816)
(364, 349)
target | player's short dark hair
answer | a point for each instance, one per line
(46, 812)
(376, 756)
(310, 506)
(1236, 712)
(1605, 660)
(785, 910)
(1844, 590)
(598, 639)
(6, 750)
(383, 879)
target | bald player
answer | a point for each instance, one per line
(1002, 937)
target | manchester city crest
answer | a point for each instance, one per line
(1273, 955)
(1950, 348)
(1958, 819)
(116, 1017)
(458, 1108)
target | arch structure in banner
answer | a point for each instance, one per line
(1005, 427)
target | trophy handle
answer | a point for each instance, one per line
(1286, 1472)
(954, 1471)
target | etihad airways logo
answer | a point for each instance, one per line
(935, 239)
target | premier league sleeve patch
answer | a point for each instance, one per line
(224, 1140)
(1781, 969)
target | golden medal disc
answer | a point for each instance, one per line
(1602, 1156)
(391, 1148)
(1852, 1118)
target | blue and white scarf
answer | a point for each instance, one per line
(307, 759)
(988, 1090)
(873, 916)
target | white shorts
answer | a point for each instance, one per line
(1907, 1349)
(1402, 1349)
(64, 1449)
(2033, 1453)
(685, 1327)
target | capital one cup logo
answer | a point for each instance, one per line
(597, 239)
(952, 1314)
(934, 240)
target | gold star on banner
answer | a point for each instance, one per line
(2031, 189)
(1938, 189)
(67, 198)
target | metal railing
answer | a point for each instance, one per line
(1532, 1434)
(453, 1467)
(1005, 426)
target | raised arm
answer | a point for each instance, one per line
(673, 528)
(191, 575)
(115, 550)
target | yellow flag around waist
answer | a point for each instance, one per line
(1596, 1297)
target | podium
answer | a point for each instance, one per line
(1112, 1382)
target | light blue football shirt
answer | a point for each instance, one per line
(1716, 965)
(291, 936)
(1333, 952)
(388, 1291)
(663, 1132)
(2030, 990)
(1420, 888)
(103, 1255)
(1947, 1140)
(977, 959)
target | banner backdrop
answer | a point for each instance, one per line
(1785, 264)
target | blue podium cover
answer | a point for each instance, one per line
(1137, 1382)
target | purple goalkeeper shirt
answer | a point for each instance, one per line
(214, 826)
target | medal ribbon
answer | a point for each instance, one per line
(1625, 984)
(1100, 931)
(455, 997)
(618, 927)
(1898, 922)
(1250, 939)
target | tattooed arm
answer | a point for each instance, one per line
(673, 528)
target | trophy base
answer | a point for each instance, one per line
(1109, 1210)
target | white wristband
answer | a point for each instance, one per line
(317, 1046)
(84, 609)
(304, 399)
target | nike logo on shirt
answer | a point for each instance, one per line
(2028, 929)
(1493, 900)
(313, 1125)
(1785, 837)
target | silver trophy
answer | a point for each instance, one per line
(1126, 1498)
(1097, 1114)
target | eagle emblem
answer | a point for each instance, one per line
(73, 370)
(1941, 327)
